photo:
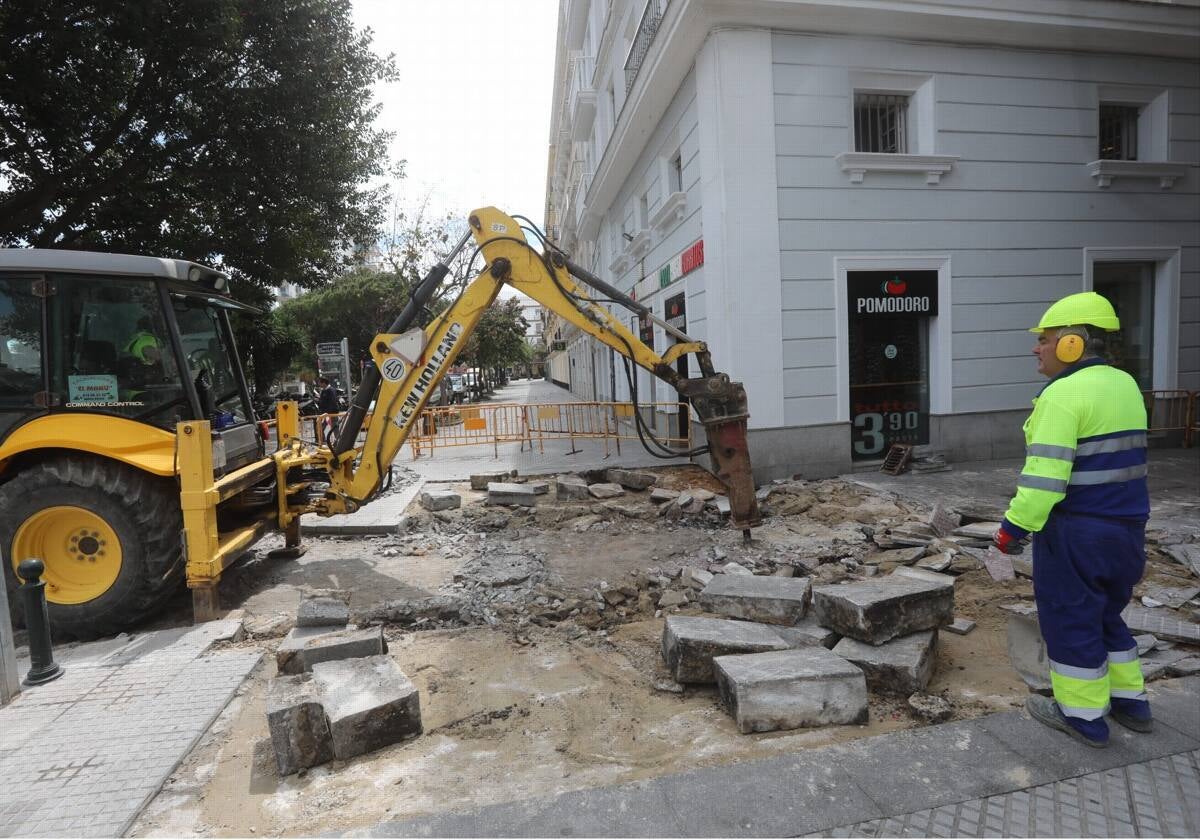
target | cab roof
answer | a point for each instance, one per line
(94, 262)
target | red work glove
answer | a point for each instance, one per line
(1006, 542)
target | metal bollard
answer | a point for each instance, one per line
(43, 668)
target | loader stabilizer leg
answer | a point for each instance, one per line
(721, 406)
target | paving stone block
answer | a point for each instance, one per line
(672, 598)
(1163, 624)
(880, 609)
(1026, 648)
(299, 730)
(606, 491)
(695, 578)
(923, 574)
(1185, 667)
(960, 626)
(631, 479)
(978, 530)
(790, 689)
(369, 703)
(304, 647)
(732, 568)
(895, 556)
(690, 642)
(440, 500)
(322, 611)
(660, 494)
(506, 493)
(540, 488)
(807, 633)
(721, 505)
(943, 521)
(571, 487)
(480, 481)
(767, 599)
(937, 562)
(930, 708)
(902, 666)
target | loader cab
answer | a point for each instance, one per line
(109, 335)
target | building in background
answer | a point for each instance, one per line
(862, 209)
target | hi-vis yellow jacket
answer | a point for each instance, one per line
(1085, 446)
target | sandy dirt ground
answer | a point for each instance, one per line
(541, 685)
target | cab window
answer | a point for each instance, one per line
(20, 349)
(208, 360)
(112, 352)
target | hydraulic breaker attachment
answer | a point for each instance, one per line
(721, 407)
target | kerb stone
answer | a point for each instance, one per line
(480, 481)
(631, 479)
(571, 487)
(322, 611)
(790, 689)
(807, 634)
(304, 647)
(503, 493)
(767, 599)
(690, 642)
(369, 704)
(877, 610)
(902, 666)
(440, 500)
(299, 731)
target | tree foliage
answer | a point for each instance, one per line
(236, 132)
(499, 339)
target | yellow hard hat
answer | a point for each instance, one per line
(1082, 308)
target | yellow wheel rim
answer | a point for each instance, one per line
(81, 551)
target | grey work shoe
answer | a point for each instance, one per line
(1131, 722)
(1045, 710)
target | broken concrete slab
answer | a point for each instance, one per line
(630, 479)
(930, 708)
(1026, 648)
(1187, 555)
(1173, 596)
(369, 703)
(480, 481)
(901, 666)
(876, 610)
(695, 578)
(721, 505)
(924, 574)
(661, 494)
(299, 731)
(689, 644)
(791, 689)
(936, 562)
(732, 568)
(689, 502)
(766, 599)
(304, 647)
(672, 598)
(571, 487)
(943, 521)
(978, 530)
(539, 488)
(702, 494)
(807, 633)
(439, 499)
(960, 626)
(1185, 667)
(606, 491)
(506, 493)
(1162, 624)
(998, 564)
(1158, 663)
(895, 556)
(322, 611)
(1145, 643)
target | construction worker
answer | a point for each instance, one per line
(143, 345)
(1082, 494)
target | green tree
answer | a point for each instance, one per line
(225, 131)
(498, 340)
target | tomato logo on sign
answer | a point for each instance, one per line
(895, 286)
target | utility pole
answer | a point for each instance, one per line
(10, 680)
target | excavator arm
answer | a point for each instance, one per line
(409, 364)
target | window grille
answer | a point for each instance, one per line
(880, 123)
(1118, 132)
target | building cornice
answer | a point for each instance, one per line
(1147, 29)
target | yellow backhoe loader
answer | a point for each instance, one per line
(130, 460)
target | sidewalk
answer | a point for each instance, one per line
(1003, 774)
(81, 756)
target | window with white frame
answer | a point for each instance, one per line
(881, 122)
(675, 173)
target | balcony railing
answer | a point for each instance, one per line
(581, 96)
(652, 16)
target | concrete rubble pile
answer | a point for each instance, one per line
(338, 693)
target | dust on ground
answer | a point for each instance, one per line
(534, 637)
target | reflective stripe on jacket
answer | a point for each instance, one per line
(1085, 449)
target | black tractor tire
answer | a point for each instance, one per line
(143, 510)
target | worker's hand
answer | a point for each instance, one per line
(1007, 543)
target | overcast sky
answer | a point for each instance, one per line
(471, 110)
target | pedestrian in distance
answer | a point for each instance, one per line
(1082, 495)
(327, 403)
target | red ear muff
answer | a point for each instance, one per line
(1069, 348)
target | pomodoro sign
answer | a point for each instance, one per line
(892, 294)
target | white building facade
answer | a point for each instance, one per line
(862, 207)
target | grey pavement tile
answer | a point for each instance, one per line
(924, 768)
(1177, 704)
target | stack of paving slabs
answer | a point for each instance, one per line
(769, 651)
(338, 694)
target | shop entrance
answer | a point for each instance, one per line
(888, 331)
